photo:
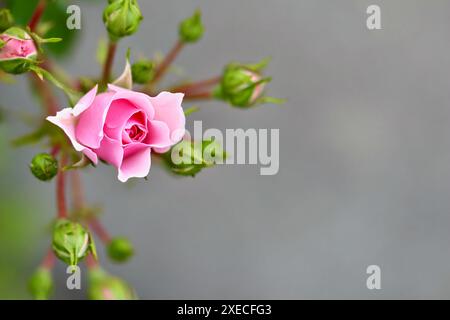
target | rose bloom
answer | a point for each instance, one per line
(122, 127)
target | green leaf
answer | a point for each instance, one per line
(72, 95)
(191, 110)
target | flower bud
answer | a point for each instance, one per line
(44, 166)
(191, 29)
(120, 249)
(187, 158)
(103, 286)
(40, 284)
(71, 242)
(18, 51)
(143, 71)
(242, 85)
(6, 19)
(122, 18)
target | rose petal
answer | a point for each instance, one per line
(119, 113)
(66, 121)
(158, 135)
(85, 101)
(89, 129)
(168, 110)
(111, 151)
(139, 99)
(136, 163)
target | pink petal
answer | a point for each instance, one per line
(110, 151)
(89, 129)
(161, 150)
(119, 113)
(85, 101)
(136, 163)
(158, 135)
(139, 99)
(66, 121)
(168, 110)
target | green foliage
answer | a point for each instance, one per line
(71, 242)
(188, 158)
(6, 19)
(143, 71)
(120, 249)
(44, 166)
(103, 286)
(40, 284)
(191, 29)
(122, 18)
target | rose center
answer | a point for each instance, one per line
(135, 133)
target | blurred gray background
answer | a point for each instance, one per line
(364, 157)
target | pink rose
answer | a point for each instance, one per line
(122, 127)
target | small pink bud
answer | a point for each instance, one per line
(17, 51)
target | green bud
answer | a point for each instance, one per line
(44, 166)
(6, 19)
(103, 286)
(120, 249)
(187, 158)
(122, 18)
(18, 51)
(72, 242)
(191, 29)
(40, 284)
(143, 71)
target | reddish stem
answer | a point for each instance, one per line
(49, 260)
(99, 230)
(91, 263)
(78, 203)
(171, 56)
(196, 86)
(60, 189)
(37, 14)
(47, 96)
(54, 151)
(112, 46)
(198, 96)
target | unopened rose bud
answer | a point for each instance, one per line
(143, 71)
(71, 242)
(241, 85)
(40, 284)
(188, 158)
(18, 51)
(192, 29)
(122, 18)
(6, 19)
(44, 166)
(120, 249)
(103, 286)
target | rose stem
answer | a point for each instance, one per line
(60, 189)
(45, 91)
(112, 46)
(49, 260)
(37, 14)
(196, 86)
(99, 230)
(164, 65)
(78, 203)
(198, 96)
(91, 263)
